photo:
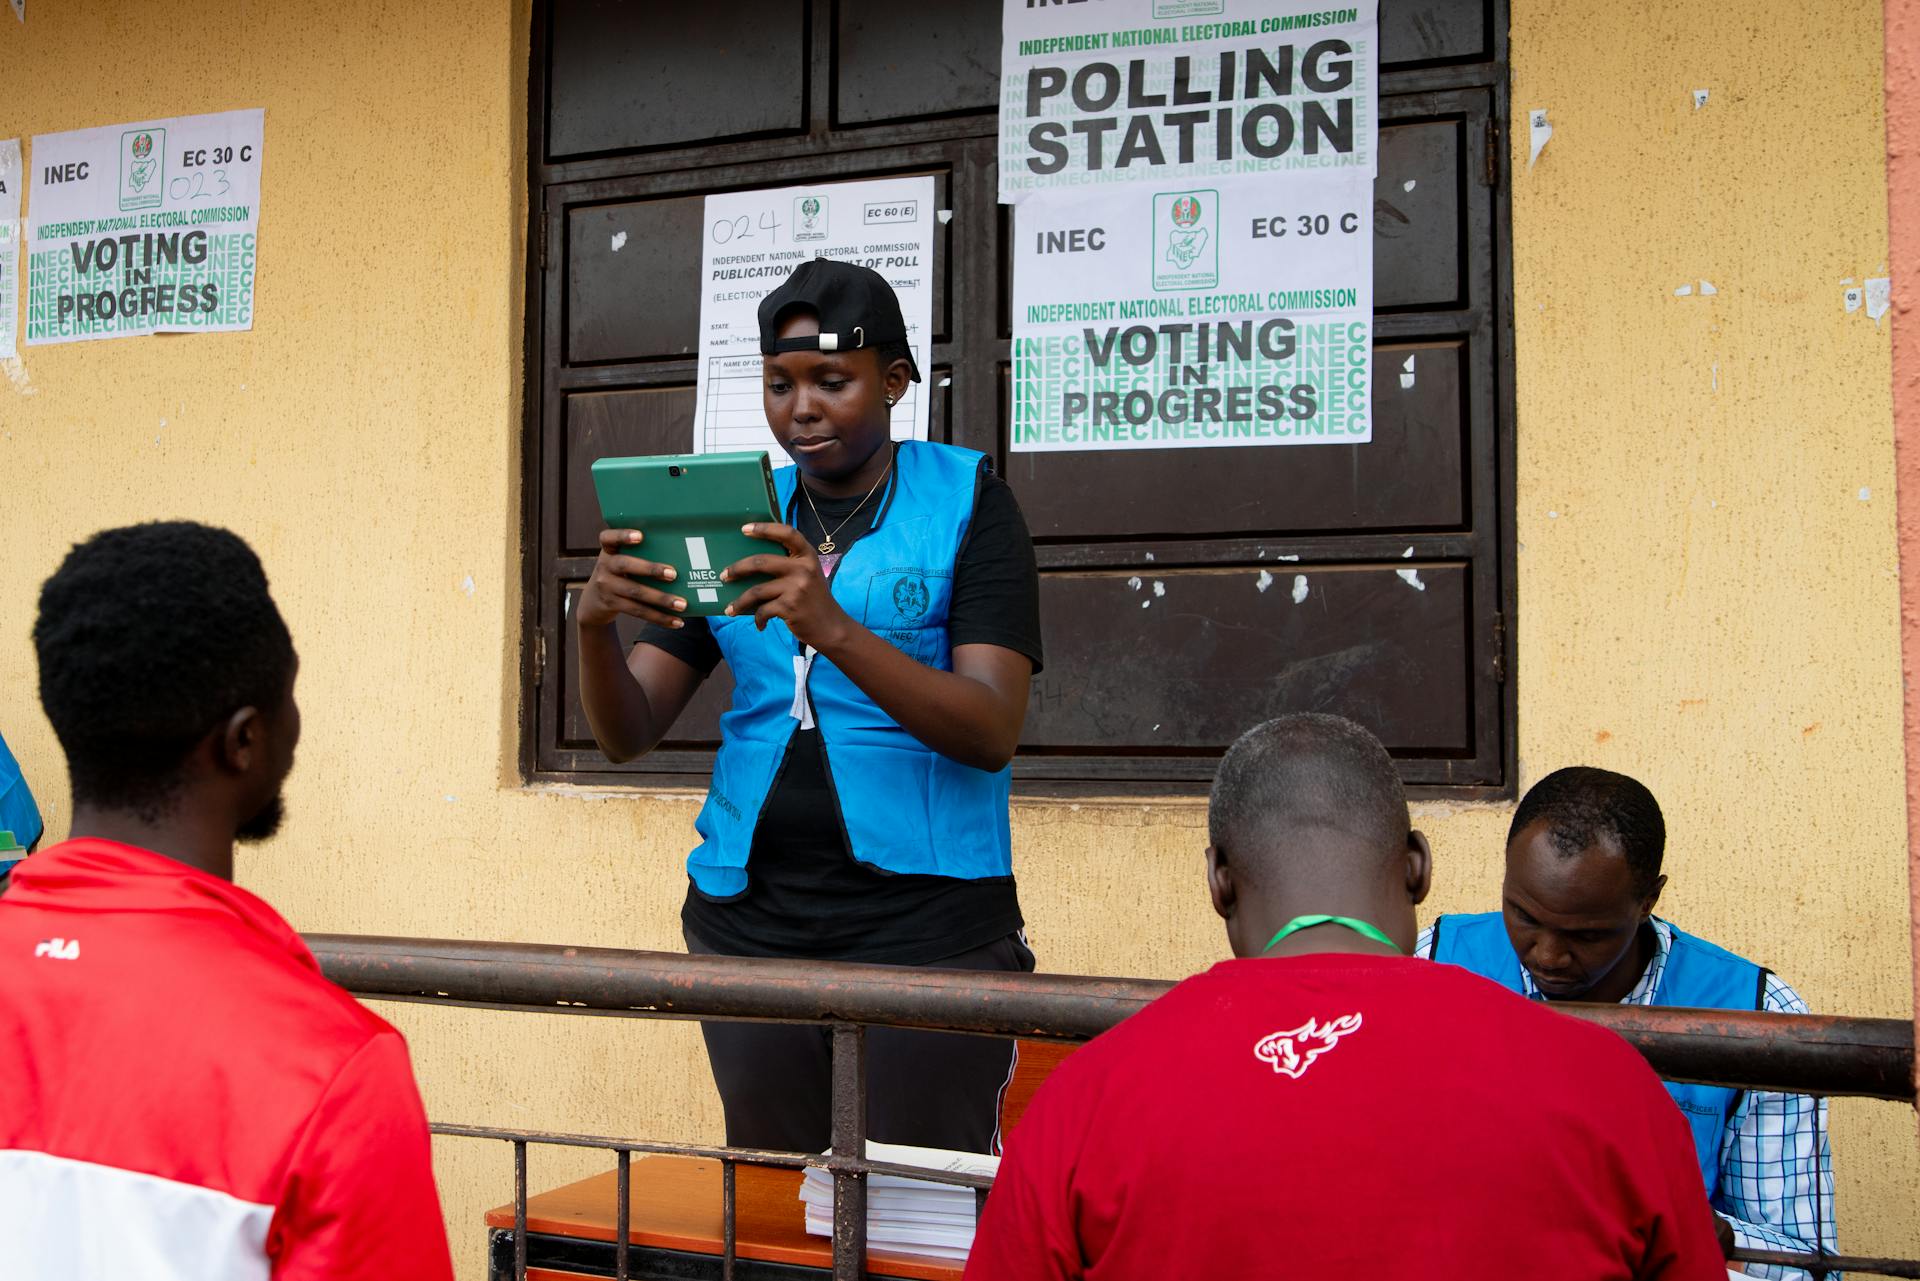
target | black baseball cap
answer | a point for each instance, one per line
(855, 304)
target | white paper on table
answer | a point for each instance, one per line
(878, 1239)
(944, 1160)
(913, 1215)
(752, 240)
(894, 1203)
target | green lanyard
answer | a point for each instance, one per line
(1298, 923)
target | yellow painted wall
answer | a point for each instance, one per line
(1707, 593)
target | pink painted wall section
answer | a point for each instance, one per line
(1903, 210)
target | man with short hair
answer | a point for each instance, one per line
(185, 1096)
(1576, 923)
(1326, 1106)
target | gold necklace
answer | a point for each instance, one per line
(826, 545)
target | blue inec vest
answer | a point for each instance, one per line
(1698, 975)
(18, 813)
(905, 807)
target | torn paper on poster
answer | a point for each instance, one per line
(151, 227)
(12, 178)
(752, 240)
(1879, 297)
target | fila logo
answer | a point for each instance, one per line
(58, 949)
(1292, 1052)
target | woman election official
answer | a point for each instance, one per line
(859, 802)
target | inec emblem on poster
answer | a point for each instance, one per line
(810, 218)
(1186, 252)
(142, 168)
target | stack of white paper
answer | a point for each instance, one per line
(912, 1215)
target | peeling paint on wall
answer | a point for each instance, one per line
(1879, 297)
(1538, 131)
(17, 375)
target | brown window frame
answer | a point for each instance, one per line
(1474, 93)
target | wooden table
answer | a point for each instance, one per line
(674, 1224)
(675, 1228)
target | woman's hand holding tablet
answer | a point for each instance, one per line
(794, 590)
(613, 590)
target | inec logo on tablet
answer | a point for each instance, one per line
(701, 575)
(1186, 243)
(143, 168)
(810, 218)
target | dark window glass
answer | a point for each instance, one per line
(625, 82)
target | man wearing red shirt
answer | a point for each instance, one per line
(1326, 1106)
(182, 1095)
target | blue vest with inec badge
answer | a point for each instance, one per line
(1698, 975)
(905, 807)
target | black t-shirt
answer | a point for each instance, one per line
(806, 896)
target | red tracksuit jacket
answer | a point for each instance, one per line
(182, 1095)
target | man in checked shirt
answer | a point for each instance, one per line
(1576, 924)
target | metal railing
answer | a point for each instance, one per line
(1803, 1054)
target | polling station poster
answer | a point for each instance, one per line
(10, 182)
(750, 243)
(1184, 90)
(151, 227)
(1161, 316)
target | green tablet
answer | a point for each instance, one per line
(691, 507)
